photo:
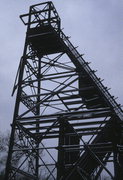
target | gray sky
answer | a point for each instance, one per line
(96, 26)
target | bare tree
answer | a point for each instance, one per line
(4, 145)
(4, 142)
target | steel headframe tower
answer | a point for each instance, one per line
(66, 125)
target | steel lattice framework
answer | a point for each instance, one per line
(66, 125)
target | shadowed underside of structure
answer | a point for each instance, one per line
(66, 125)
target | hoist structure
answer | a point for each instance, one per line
(66, 125)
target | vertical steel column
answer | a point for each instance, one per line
(38, 113)
(16, 110)
(61, 153)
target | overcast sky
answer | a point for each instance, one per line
(96, 26)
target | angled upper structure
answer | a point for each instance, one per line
(66, 125)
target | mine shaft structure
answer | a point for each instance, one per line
(66, 125)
